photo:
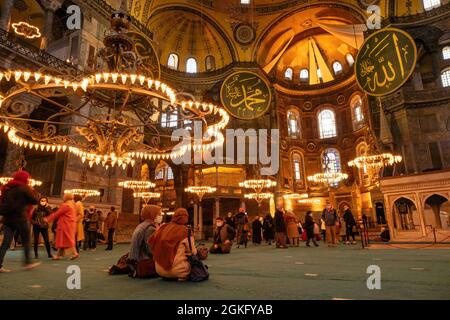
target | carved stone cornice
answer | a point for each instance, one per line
(408, 98)
(431, 181)
(426, 17)
(322, 89)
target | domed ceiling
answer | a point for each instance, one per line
(189, 34)
(290, 38)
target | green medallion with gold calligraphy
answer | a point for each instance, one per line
(385, 61)
(245, 95)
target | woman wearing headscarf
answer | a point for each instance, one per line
(139, 248)
(292, 228)
(66, 229)
(170, 245)
(16, 200)
(40, 226)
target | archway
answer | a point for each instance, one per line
(406, 217)
(379, 211)
(440, 207)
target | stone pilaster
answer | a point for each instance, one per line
(5, 15)
(50, 7)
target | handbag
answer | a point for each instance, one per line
(199, 271)
(146, 269)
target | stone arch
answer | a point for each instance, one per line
(435, 202)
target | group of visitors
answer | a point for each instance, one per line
(160, 249)
(22, 209)
(284, 228)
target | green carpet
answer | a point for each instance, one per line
(254, 273)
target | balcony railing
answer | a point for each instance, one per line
(9, 41)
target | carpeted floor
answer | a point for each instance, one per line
(253, 273)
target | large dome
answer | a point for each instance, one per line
(190, 34)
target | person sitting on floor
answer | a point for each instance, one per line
(139, 248)
(170, 247)
(223, 237)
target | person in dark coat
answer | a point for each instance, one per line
(349, 224)
(222, 238)
(241, 222)
(40, 226)
(256, 230)
(309, 228)
(280, 228)
(16, 202)
(268, 229)
(229, 220)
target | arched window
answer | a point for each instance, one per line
(327, 124)
(169, 173)
(169, 119)
(431, 4)
(337, 67)
(297, 167)
(446, 53)
(191, 65)
(288, 74)
(357, 112)
(172, 62)
(304, 75)
(159, 174)
(319, 74)
(293, 123)
(210, 63)
(331, 161)
(350, 59)
(445, 76)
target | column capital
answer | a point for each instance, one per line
(52, 5)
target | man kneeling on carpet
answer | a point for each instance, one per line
(223, 236)
(170, 245)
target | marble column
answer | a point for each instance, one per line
(421, 215)
(50, 7)
(217, 213)
(13, 153)
(5, 15)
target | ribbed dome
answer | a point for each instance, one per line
(189, 35)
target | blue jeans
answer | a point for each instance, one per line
(8, 235)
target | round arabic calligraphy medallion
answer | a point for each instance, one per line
(385, 61)
(246, 95)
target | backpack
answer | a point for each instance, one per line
(121, 267)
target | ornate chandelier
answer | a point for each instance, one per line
(31, 182)
(328, 178)
(110, 117)
(296, 196)
(375, 161)
(147, 195)
(258, 186)
(200, 191)
(84, 193)
(26, 30)
(136, 184)
(259, 196)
